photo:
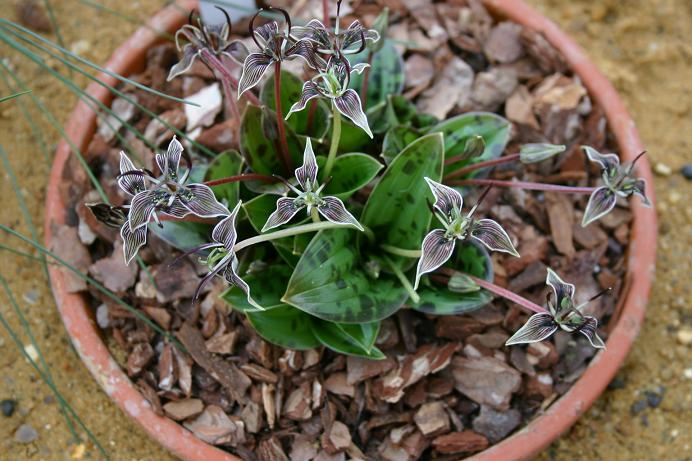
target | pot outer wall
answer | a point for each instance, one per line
(524, 444)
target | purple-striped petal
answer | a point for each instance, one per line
(563, 291)
(234, 279)
(176, 208)
(493, 236)
(306, 174)
(286, 209)
(350, 106)
(609, 162)
(638, 187)
(131, 183)
(309, 91)
(266, 32)
(132, 241)
(334, 210)
(355, 34)
(435, 251)
(313, 31)
(306, 50)
(254, 67)
(168, 162)
(448, 201)
(142, 207)
(237, 51)
(589, 329)
(221, 265)
(190, 53)
(537, 328)
(601, 202)
(200, 200)
(224, 232)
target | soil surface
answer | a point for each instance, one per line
(639, 44)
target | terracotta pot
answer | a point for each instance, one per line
(524, 444)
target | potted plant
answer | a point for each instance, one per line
(334, 217)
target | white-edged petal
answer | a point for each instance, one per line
(493, 236)
(563, 291)
(608, 162)
(350, 106)
(132, 241)
(201, 201)
(224, 232)
(309, 92)
(537, 328)
(168, 162)
(333, 210)
(286, 209)
(142, 207)
(435, 251)
(130, 183)
(448, 201)
(254, 67)
(601, 202)
(306, 174)
(589, 329)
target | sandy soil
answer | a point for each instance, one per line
(639, 44)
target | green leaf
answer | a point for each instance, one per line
(396, 140)
(471, 258)
(183, 235)
(494, 129)
(259, 141)
(395, 110)
(226, 164)
(266, 287)
(353, 138)
(284, 326)
(329, 283)
(386, 74)
(397, 210)
(350, 173)
(355, 340)
(291, 90)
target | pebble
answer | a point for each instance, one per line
(663, 169)
(619, 382)
(8, 406)
(685, 336)
(25, 434)
(686, 171)
(638, 406)
(653, 399)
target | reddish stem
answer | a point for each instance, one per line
(214, 62)
(311, 114)
(241, 177)
(283, 143)
(366, 82)
(524, 185)
(502, 292)
(325, 12)
(477, 166)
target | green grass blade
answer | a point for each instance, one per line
(12, 25)
(128, 18)
(24, 254)
(15, 95)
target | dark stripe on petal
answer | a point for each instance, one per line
(201, 201)
(141, 209)
(309, 91)
(307, 173)
(447, 200)
(601, 202)
(493, 236)
(190, 53)
(589, 329)
(131, 183)
(334, 210)
(237, 51)
(224, 232)
(254, 67)
(609, 162)
(132, 241)
(537, 328)
(286, 209)
(306, 50)
(563, 291)
(176, 209)
(436, 250)
(168, 162)
(350, 106)
(639, 188)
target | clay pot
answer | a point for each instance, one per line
(524, 444)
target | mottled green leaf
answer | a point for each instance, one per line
(259, 142)
(291, 90)
(457, 130)
(183, 235)
(350, 173)
(353, 138)
(396, 140)
(285, 326)
(266, 286)
(386, 74)
(397, 211)
(355, 340)
(258, 210)
(329, 283)
(226, 164)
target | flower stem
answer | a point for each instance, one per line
(305, 228)
(524, 185)
(314, 215)
(283, 143)
(211, 59)
(366, 82)
(404, 281)
(336, 137)
(401, 251)
(241, 177)
(498, 290)
(477, 166)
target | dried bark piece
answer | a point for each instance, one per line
(496, 425)
(222, 344)
(111, 271)
(252, 417)
(519, 108)
(216, 427)
(460, 442)
(457, 327)
(432, 419)
(156, 132)
(141, 355)
(159, 315)
(503, 44)
(269, 404)
(359, 369)
(209, 100)
(271, 450)
(66, 244)
(303, 448)
(545, 55)
(338, 384)
(427, 359)
(219, 137)
(337, 439)
(450, 89)
(150, 395)
(297, 405)
(32, 15)
(231, 378)
(175, 284)
(168, 368)
(492, 88)
(486, 380)
(184, 371)
(123, 111)
(561, 215)
(259, 373)
(183, 409)
(419, 71)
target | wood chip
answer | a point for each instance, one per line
(216, 427)
(431, 419)
(337, 439)
(560, 214)
(338, 384)
(183, 409)
(460, 442)
(297, 405)
(270, 450)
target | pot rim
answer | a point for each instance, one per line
(525, 443)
